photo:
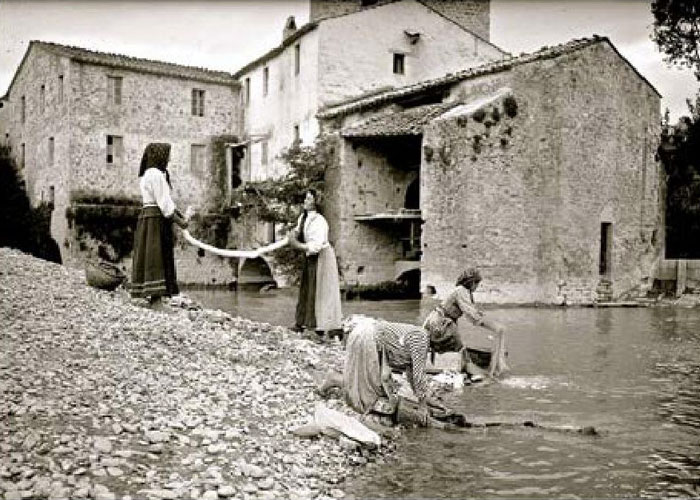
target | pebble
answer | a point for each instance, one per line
(141, 391)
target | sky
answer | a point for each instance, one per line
(227, 34)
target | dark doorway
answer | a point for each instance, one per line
(605, 248)
(413, 195)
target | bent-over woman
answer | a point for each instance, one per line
(460, 302)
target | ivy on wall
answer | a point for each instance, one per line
(103, 225)
(279, 200)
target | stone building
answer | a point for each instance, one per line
(78, 122)
(538, 169)
(347, 50)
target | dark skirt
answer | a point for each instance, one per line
(306, 305)
(153, 266)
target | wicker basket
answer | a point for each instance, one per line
(103, 275)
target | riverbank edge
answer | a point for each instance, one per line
(38, 296)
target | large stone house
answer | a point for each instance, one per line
(350, 49)
(538, 169)
(78, 121)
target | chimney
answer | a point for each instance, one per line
(290, 27)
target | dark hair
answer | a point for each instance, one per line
(156, 155)
(317, 198)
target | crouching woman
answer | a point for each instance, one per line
(376, 348)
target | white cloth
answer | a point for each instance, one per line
(238, 254)
(155, 191)
(315, 232)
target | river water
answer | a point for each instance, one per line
(632, 373)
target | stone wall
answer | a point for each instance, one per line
(42, 176)
(356, 52)
(524, 197)
(368, 182)
(473, 15)
(153, 108)
(291, 100)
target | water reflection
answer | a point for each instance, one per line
(633, 374)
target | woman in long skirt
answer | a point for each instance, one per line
(153, 266)
(318, 306)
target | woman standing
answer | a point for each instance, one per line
(318, 305)
(153, 266)
(441, 323)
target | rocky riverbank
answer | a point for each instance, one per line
(105, 399)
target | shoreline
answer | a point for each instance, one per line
(110, 400)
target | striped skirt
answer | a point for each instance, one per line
(153, 266)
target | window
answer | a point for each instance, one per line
(60, 89)
(42, 98)
(264, 153)
(399, 63)
(297, 58)
(23, 109)
(297, 137)
(266, 79)
(51, 150)
(114, 89)
(197, 158)
(114, 150)
(22, 155)
(197, 102)
(247, 91)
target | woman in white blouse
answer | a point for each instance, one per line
(153, 265)
(318, 306)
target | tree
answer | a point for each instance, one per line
(279, 200)
(679, 152)
(21, 226)
(677, 31)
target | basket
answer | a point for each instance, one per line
(103, 275)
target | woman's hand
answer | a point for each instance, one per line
(180, 220)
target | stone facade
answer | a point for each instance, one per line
(473, 15)
(70, 118)
(521, 177)
(340, 58)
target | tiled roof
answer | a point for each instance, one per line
(277, 50)
(137, 64)
(407, 122)
(357, 104)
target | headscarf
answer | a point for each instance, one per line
(470, 276)
(156, 155)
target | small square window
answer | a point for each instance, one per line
(197, 159)
(114, 90)
(115, 150)
(297, 58)
(197, 102)
(399, 64)
(60, 89)
(266, 79)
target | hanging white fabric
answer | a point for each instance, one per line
(231, 253)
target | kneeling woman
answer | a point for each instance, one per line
(374, 349)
